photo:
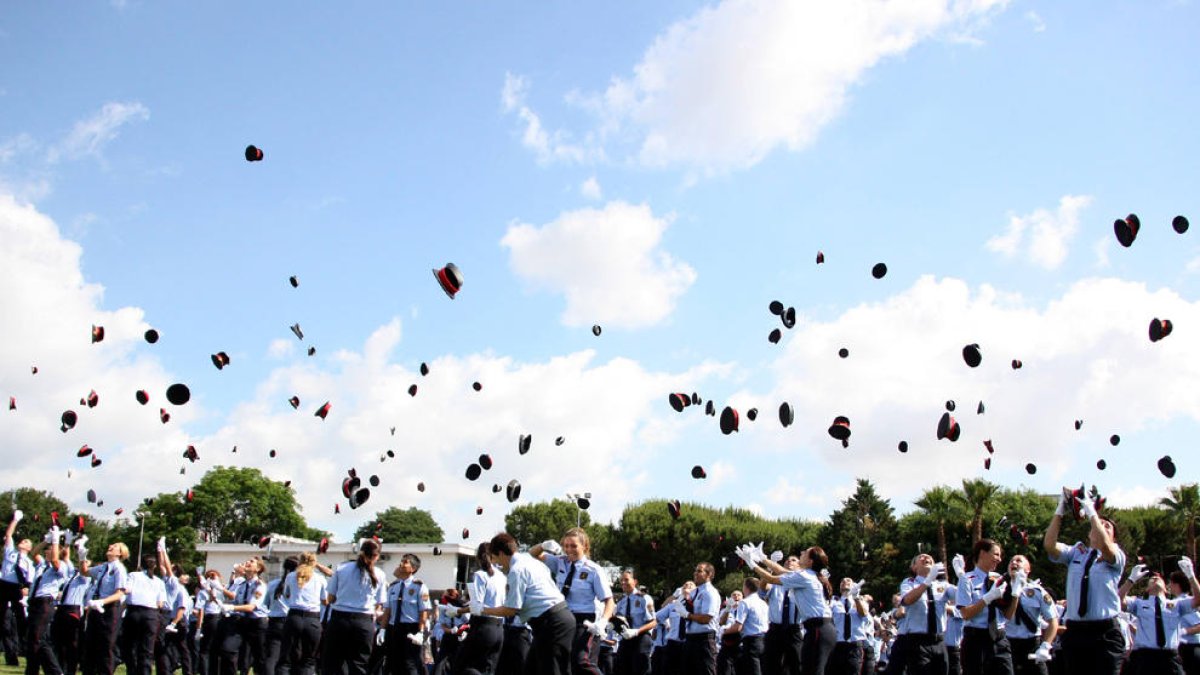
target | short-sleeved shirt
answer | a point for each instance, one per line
(1190, 619)
(277, 605)
(971, 587)
(143, 590)
(107, 579)
(1146, 610)
(705, 600)
(809, 595)
(754, 616)
(209, 601)
(75, 592)
(1104, 578)
(407, 598)
(177, 599)
(353, 590)
(49, 580)
(954, 620)
(307, 598)
(858, 623)
(1036, 608)
(637, 608)
(531, 590)
(489, 589)
(17, 567)
(252, 592)
(916, 615)
(775, 603)
(666, 629)
(589, 583)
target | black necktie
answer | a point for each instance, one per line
(62, 596)
(22, 575)
(1023, 617)
(628, 602)
(787, 607)
(993, 628)
(37, 583)
(400, 605)
(1083, 582)
(1160, 635)
(566, 587)
(930, 612)
(846, 620)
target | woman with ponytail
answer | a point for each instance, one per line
(247, 621)
(305, 594)
(146, 595)
(812, 590)
(356, 592)
(277, 611)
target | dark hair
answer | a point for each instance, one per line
(1177, 577)
(290, 564)
(368, 550)
(818, 561)
(503, 544)
(750, 584)
(411, 559)
(982, 546)
(150, 565)
(481, 557)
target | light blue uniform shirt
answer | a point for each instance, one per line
(108, 578)
(637, 608)
(916, 615)
(407, 598)
(589, 584)
(178, 598)
(754, 619)
(1190, 619)
(1173, 612)
(858, 622)
(49, 581)
(1103, 602)
(311, 597)
(143, 590)
(353, 590)
(17, 567)
(971, 588)
(207, 601)
(1038, 606)
(277, 606)
(489, 588)
(954, 622)
(775, 603)
(76, 590)
(809, 593)
(252, 592)
(666, 628)
(705, 600)
(531, 589)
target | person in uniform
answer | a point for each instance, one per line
(781, 650)
(1159, 620)
(274, 659)
(406, 616)
(1031, 643)
(16, 573)
(108, 583)
(170, 649)
(1092, 643)
(1189, 636)
(674, 637)
(954, 633)
(851, 618)
(356, 592)
(246, 623)
(48, 581)
(753, 628)
(208, 607)
(699, 615)
(583, 583)
(923, 596)
(145, 597)
(637, 610)
(730, 622)
(454, 624)
(533, 595)
(813, 593)
(66, 630)
(981, 598)
(305, 593)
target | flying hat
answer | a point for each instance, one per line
(774, 336)
(412, 390)
(840, 429)
(450, 279)
(151, 336)
(424, 369)
(323, 411)
(843, 352)
(295, 401)
(972, 355)
(97, 333)
(485, 461)
(903, 446)
(220, 360)
(1180, 223)
(1127, 229)
(142, 397)
(360, 497)
(524, 442)
(786, 414)
(1160, 328)
(513, 491)
(879, 271)
(83, 451)
(68, 419)
(775, 308)
(752, 414)
(297, 331)
(178, 394)
(596, 330)
(698, 472)
(164, 416)
(729, 420)
(820, 257)
(253, 154)
(1166, 466)
(948, 428)
(295, 282)
(673, 508)
(1016, 364)
(474, 471)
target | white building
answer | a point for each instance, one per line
(450, 567)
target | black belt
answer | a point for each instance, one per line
(541, 618)
(810, 624)
(926, 638)
(68, 608)
(477, 619)
(303, 613)
(1000, 634)
(1098, 625)
(42, 599)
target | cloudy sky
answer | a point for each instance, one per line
(663, 170)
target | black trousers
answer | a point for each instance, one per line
(925, 654)
(1190, 655)
(727, 654)
(207, 658)
(10, 598)
(514, 654)
(750, 656)
(273, 647)
(140, 628)
(984, 655)
(39, 649)
(781, 650)
(700, 654)
(173, 652)
(953, 661)
(585, 650)
(553, 633)
(897, 663)
(868, 665)
(66, 632)
(633, 656)
(604, 658)
(301, 636)
(239, 631)
(100, 640)
(674, 657)
(480, 650)
(347, 643)
(846, 659)
(819, 638)
(1156, 661)
(1022, 664)
(403, 657)
(1093, 647)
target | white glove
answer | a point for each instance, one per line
(1042, 655)
(417, 639)
(596, 629)
(934, 572)
(225, 610)
(199, 635)
(629, 633)
(81, 541)
(550, 546)
(52, 535)
(462, 635)
(1018, 582)
(776, 556)
(1064, 503)
(1188, 569)
(994, 594)
(380, 636)
(18, 515)
(95, 604)
(69, 538)
(745, 554)
(825, 573)
(1087, 507)
(959, 564)
(162, 544)
(759, 554)
(476, 607)
(1138, 572)
(856, 588)
(171, 628)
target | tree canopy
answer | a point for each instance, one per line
(402, 526)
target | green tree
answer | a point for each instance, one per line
(534, 523)
(860, 539)
(37, 505)
(939, 504)
(234, 504)
(402, 526)
(975, 495)
(1184, 508)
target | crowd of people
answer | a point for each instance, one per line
(551, 610)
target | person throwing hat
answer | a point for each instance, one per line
(1159, 620)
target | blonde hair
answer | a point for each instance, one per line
(259, 566)
(122, 551)
(304, 570)
(584, 542)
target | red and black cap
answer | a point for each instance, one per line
(97, 334)
(295, 402)
(1016, 364)
(253, 154)
(165, 417)
(360, 497)
(513, 491)
(485, 461)
(412, 390)
(142, 397)
(820, 257)
(450, 279)
(524, 442)
(1160, 328)
(948, 428)
(786, 414)
(349, 485)
(1115, 439)
(83, 451)
(972, 355)
(476, 386)
(151, 336)
(840, 429)
(729, 420)
(191, 454)
(96, 461)
(674, 508)
(1101, 464)
(323, 546)
(1127, 229)
(323, 411)
(178, 394)
(879, 271)
(699, 473)
(220, 360)
(68, 419)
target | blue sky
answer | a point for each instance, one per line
(665, 171)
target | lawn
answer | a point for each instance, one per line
(20, 670)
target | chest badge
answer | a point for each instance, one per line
(583, 575)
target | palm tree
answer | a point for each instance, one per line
(975, 496)
(940, 504)
(1184, 507)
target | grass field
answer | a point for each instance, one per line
(20, 670)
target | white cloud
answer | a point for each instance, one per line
(724, 87)
(1035, 20)
(548, 146)
(281, 348)
(16, 145)
(1100, 249)
(1127, 496)
(590, 189)
(787, 492)
(89, 136)
(607, 262)
(1044, 236)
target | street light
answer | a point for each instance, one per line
(582, 502)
